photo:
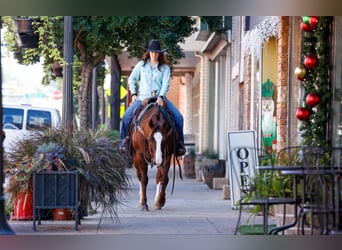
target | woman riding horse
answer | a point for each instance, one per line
(153, 74)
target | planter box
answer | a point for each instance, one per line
(211, 168)
(55, 189)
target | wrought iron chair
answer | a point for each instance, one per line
(252, 184)
(312, 170)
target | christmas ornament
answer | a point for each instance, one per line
(313, 21)
(300, 72)
(305, 27)
(312, 99)
(306, 20)
(309, 23)
(302, 113)
(310, 61)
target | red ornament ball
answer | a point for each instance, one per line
(313, 21)
(306, 27)
(302, 113)
(312, 99)
(310, 61)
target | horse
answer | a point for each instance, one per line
(153, 142)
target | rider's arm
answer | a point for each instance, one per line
(134, 78)
(165, 80)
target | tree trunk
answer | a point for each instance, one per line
(115, 73)
(84, 96)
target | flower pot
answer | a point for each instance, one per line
(189, 166)
(23, 206)
(212, 168)
(61, 214)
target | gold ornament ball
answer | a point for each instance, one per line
(300, 71)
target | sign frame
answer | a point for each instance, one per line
(239, 139)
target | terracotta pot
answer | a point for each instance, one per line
(61, 214)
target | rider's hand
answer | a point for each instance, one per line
(160, 101)
(134, 98)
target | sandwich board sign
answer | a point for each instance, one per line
(241, 159)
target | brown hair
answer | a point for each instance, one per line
(161, 58)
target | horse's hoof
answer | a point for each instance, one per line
(144, 207)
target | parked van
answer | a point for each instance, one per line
(20, 120)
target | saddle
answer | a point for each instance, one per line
(147, 103)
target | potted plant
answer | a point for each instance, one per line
(211, 167)
(93, 153)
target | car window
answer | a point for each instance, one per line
(12, 118)
(38, 119)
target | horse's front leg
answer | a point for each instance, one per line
(143, 181)
(143, 197)
(162, 180)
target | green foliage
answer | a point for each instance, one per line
(107, 35)
(94, 153)
(215, 23)
(210, 154)
(317, 81)
(94, 38)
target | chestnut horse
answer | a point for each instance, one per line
(153, 142)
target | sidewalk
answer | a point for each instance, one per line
(193, 208)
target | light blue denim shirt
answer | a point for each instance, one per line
(149, 79)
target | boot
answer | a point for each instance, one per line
(123, 145)
(180, 150)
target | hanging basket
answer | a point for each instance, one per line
(57, 69)
(25, 36)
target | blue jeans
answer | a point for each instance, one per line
(129, 113)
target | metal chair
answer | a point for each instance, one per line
(315, 184)
(252, 184)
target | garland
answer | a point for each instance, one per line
(314, 74)
(260, 34)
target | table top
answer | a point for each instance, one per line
(300, 170)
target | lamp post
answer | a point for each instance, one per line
(67, 74)
(4, 227)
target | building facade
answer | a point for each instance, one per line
(243, 79)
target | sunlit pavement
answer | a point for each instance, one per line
(193, 208)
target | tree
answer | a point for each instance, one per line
(96, 37)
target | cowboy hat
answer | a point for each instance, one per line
(154, 46)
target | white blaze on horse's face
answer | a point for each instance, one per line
(159, 157)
